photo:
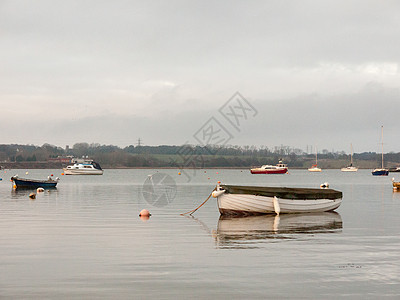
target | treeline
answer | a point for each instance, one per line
(185, 156)
(20, 153)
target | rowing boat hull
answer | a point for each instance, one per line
(315, 169)
(380, 172)
(349, 169)
(82, 172)
(234, 204)
(263, 171)
(33, 184)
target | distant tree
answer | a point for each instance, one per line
(80, 149)
(3, 156)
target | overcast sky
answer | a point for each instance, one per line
(322, 73)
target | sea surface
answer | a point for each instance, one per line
(85, 239)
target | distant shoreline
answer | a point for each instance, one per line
(181, 157)
(167, 168)
(326, 164)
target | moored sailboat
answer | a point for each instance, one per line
(314, 168)
(381, 171)
(350, 168)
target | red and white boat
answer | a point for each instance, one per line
(280, 168)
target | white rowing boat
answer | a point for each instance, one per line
(247, 200)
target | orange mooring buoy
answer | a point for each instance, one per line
(144, 213)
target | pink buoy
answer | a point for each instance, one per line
(144, 213)
(144, 219)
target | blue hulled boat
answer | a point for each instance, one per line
(34, 184)
(380, 172)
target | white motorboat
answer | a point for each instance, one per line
(243, 200)
(85, 167)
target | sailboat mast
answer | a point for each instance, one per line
(351, 157)
(382, 145)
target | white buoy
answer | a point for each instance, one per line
(324, 185)
(277, 208)
(218, 193)
(40, 190)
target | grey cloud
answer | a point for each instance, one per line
(103, 72)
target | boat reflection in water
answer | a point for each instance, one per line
(246, 232)
(18, 194)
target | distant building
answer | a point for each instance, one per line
(61, 159)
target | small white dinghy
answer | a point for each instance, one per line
(249, 200)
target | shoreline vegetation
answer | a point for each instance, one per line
(48, 156)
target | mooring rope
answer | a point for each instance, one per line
(192, 211)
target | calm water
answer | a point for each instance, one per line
(86, 241)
